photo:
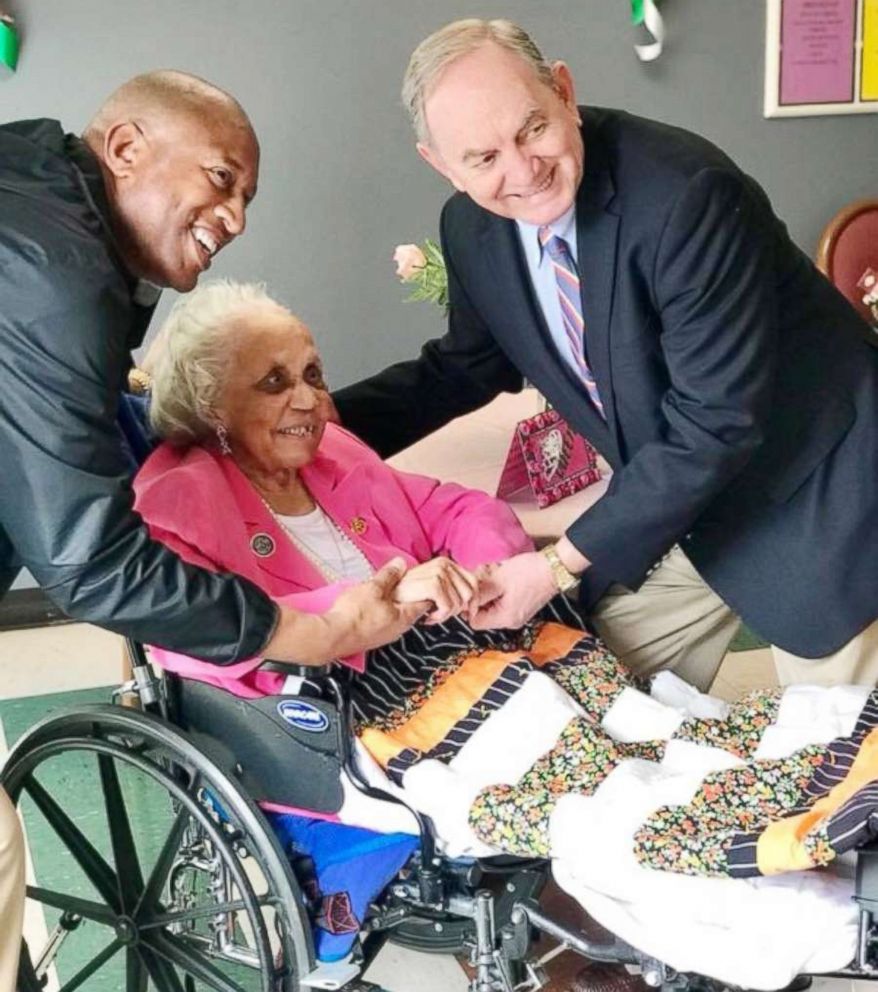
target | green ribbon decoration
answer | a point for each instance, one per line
(8, 44)
(646, 12)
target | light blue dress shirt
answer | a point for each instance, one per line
(542, 275)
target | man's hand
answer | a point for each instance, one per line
(364, 616)
(447, 585)
(512, 591)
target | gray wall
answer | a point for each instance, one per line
(341, 183)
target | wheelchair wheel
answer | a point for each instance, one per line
(175, 884)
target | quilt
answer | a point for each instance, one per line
(649, 797)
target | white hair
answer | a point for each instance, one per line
(192, 356)
(434, 54)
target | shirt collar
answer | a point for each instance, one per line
(564, 227)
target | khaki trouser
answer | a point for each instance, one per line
(11, 892)
(856, 663)
(676, 621)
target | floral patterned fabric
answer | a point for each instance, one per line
(694, 839)
(516, 818)
(741, 731)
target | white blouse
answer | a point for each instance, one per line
(320, 539)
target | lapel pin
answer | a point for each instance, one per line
(262, 545)
(358, 525)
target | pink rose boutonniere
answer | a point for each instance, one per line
(423, 267)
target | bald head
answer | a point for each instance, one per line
(180, 162)
(155, 97)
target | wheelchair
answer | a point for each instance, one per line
(207, 898)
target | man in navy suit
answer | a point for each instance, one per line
(733, 391)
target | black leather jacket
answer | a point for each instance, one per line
(68, 321)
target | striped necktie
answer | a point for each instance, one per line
(567, 280)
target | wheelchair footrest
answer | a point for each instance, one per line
(339, 976)
(330, 975)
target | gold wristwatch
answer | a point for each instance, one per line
(564, 578)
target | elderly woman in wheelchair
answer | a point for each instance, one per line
(417, 789)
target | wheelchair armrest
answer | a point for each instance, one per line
(294, 668)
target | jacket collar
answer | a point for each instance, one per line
(597, 229)
(87, 170)
(71, 168)
(91, 181)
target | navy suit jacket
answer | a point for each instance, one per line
(740, 388)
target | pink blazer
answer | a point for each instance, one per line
(202, 506)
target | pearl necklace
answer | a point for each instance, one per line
(326, 570)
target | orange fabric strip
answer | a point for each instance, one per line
(554, 641)
(449, 703)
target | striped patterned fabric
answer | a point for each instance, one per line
(424, 695)
(567, 278)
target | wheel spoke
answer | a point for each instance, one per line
(88, 970)
(99, 873)
(159, 874)
(162, 973)
(135, 971)
(128, 870)
(190, 915)
(89, 910)
(192, 961)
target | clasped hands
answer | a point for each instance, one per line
(376, 612)
(505, 594)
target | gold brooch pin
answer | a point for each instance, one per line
(358, 525)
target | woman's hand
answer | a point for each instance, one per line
(364, 616)
(448, 586)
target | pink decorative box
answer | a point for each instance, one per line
(549, 458)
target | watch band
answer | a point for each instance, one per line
(564, 578)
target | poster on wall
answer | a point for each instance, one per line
(821, 57)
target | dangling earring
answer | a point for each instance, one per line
(222, 436)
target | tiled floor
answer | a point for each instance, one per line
(67, 658)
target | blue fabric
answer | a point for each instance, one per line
(138, 438)
(342, 870)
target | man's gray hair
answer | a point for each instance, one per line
(192, 356)
(434, 54)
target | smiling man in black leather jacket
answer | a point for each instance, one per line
(89, 228)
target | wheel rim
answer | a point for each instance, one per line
(127, 890)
